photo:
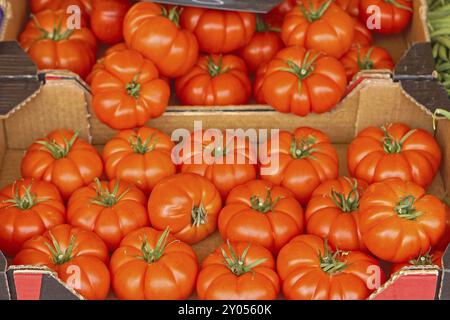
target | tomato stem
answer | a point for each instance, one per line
(303, 71)
(399, 5)
(27, 201)
(329, 262)
(172, 14)
(264, 206)
(392, 146)
(366, 63)
(142, 147)
(56, 34)
(440, 112)
(199, 215)
(263, 26)
(406, 210)
(311, 15)
(303, 148)
(349, 203)
(237, 264)
(58, 256)
(216, 69)
(423, 260)
(105, 198)
(151, 255)
(58, 151)
(133, 88)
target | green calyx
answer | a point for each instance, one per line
(199, 215)
(152, 255)
(27, 201)
(172, 14)
(58, 256)
(58, 151)
(262, 26)
(133, 88)
(56, 34)
(304, 70)
(392, 146)
(142, 147)
(405, 209)
(106, 198)
(349, 203)
(311, 15)
(329, 261)
(237, 264)
(399, 5)
(264, 206)
(423, 260)
(365, 63)
(303, 148)
(216, 69)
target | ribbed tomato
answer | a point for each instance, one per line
(79, 257)
(27, 209)
(333, 213)
(155, 32)
(425, 260)
(187, 204)
(51, 44)
(153, 265)
(260, 212)
(389, 17)
(362, 36)
(238, 271)
(41, 5)
(301, 81)
(219, 31)
(127, 91)
(141, 156)
(110, 209)
(215, 80)
(320, 25)
(399, 221)
(63, 159)
(350, 6)
(310, 271)
(107, 20)
(306, 159)
(394, 151)
(99, 65)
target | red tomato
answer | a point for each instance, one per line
(27, 209)
(445, 240)
(277, 14)
(99, 65)
(333, 213)
(394, 151)
(368, 58)
(310, 271)
(154, 31)
(215, 80)
(306, 158)
(263, 46)
(350, 6)
(390, 17)
(320, 25)
(399, 221)
(262, 213)
(219, 31)
(153, 265)
(41, 5)
(301, 81)
(110, 209)
(362, 36)
(107, 20)
(127, 91)
(186, 203)
(79, 257)
(141, 156)
(51, 44)
(426, 260)
(63, 159)
(238, 271)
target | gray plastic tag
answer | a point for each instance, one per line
(259, 6)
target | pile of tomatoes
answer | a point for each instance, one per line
(300, 56)
(127, 217)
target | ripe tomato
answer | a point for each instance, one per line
(127, 91)
(186, 203)
(262, 213)
(219, 31)
(63, 159)
(107, 20)
(153, 265)
(350, 6)
(110, 209)
(320, 25)
(301, 81)
(226, 162)
(428, 259)
(78, 256)
(155, 32)
(215, 80)
(263, 46)
(445, 240)
(99, 65)
(333, 213)
(238, 271)
(399, 221)
(394, 151)
(362, 36)
(51, 45)
(391, 16)
(310, 271)
(27, 209)
(41, 5)
(306, 158)
(141, 156)
(368, 58)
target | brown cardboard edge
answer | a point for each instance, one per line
(4, 4)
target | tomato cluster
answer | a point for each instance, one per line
(301, 55)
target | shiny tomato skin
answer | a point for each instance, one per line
(37, 6)
(239, 221)
(174, 50)
(299, 268)
(362, 36)
(418, 159)
(74, 52)
(172, 277)
(173, 201)
(231, 86)
(110, 221)
(19, 223)
(127, 91)
(398, 238)
(350, 6)
(99, 65)
(78, 168)
(217, 282)
(332, 33)
(219, 31)
(107, 20)
(304, 174)
(145, 170)
(89, 259)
